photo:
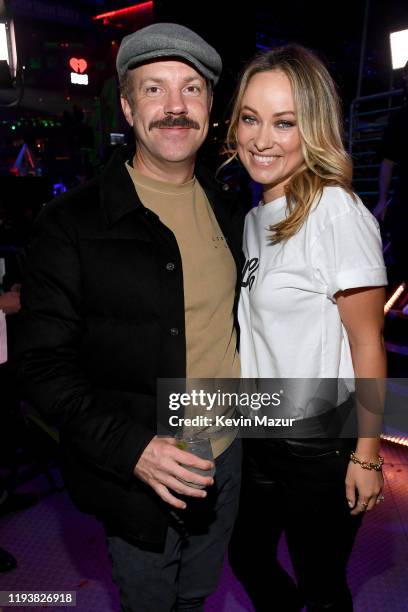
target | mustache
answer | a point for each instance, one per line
(169, 122)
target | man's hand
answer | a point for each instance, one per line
(160, 467)
(10, 302)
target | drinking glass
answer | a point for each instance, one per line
(200, 448)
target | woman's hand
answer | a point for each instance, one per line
(363, 488)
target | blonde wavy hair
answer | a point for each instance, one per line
(318, 115)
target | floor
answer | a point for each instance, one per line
(59, 549)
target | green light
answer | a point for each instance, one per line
(13, 127)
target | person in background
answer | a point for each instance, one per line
(10, 300)
(131, 278)
(9, 500)
(393, 211)
(9, 303)
(311, 307)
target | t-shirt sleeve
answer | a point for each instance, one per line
(348, 253)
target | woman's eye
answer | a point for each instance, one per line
(248, 119)
(285, 124)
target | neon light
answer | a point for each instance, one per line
(58, 188)
(401, 440)
(24, 153)
(78, 65)
(79, 79)
(124, 11)
(399, 48)
(30, 159)
(394, 298)
(3, 43)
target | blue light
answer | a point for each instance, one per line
(58, 188)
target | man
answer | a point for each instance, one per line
(394, 213)
(9, 420)
(133, 277)
(9, 304)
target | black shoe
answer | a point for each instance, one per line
(7, 561)
(17, 501)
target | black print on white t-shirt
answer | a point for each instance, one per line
(248, 273)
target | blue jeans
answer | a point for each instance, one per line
(188, 570)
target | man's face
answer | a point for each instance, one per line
(169, 111)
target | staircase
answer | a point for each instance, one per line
(367, 121)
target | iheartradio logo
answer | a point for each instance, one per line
(78, 65)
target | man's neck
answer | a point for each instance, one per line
(174, 172)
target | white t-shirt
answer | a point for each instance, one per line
(290, 323)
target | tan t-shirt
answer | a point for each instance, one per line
(209, 275)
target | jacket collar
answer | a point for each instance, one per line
(117, 193)
(119, 197)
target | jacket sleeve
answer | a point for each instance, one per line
(93, 421)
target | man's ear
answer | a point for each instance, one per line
(127, 110)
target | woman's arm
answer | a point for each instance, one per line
(362, 313)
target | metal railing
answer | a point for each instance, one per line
(368, 118)
(384, 110)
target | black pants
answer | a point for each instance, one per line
(188, 570)
(294, 487)
(12, 426)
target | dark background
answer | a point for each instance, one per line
(68, 127)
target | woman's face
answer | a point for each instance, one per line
(268, 136)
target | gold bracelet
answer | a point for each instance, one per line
(368, 465)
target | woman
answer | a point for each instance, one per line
(311, 307)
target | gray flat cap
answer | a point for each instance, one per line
(162, 40)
